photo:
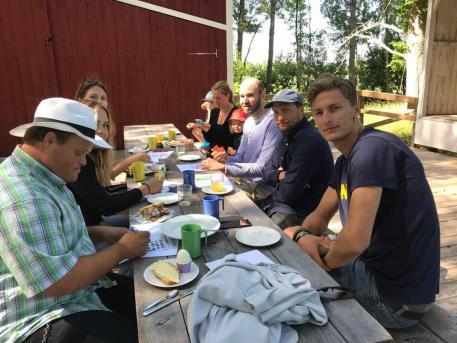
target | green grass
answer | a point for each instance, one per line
(401, 128)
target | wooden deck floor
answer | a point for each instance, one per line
(441, 171)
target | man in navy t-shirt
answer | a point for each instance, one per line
(388, 250)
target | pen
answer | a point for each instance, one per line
(133, 229)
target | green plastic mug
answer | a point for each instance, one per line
(191, 238)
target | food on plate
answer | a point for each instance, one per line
(153, 212)
(165, 272)
(183, 261)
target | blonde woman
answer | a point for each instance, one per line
(217, 130)
(97, 203)
(93, 90)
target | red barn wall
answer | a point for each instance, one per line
(143, 56)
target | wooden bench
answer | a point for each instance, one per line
(438, 325)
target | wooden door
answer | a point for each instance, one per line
(146, 58)
(26, 65)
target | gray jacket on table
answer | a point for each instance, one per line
(240, 302)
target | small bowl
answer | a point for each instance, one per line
(184, 268)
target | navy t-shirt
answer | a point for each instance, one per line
(404, 251)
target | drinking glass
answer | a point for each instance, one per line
(180, 149)
(184, 195)
(217, 182)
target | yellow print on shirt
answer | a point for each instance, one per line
(343, 192)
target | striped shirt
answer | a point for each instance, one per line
(42, 235)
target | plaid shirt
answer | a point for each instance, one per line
(42, 235)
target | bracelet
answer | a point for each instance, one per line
(300, 233)
(149, 188)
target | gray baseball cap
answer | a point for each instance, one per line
(286, 95)
(209, 97)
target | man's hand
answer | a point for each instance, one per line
(210, 164)
(289, 232)
(313, 246)
(113, 234)
(281, 174)
(134, 244)
(220, 156)
(154, 185)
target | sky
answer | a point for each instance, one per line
(284, 37)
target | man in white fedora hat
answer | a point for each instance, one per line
(56, 282)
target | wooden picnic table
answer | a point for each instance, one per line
(348, 321)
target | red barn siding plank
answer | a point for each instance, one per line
(141, 55)
(26, 65)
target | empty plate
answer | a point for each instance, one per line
(172, 227)
(166, 198)
(258, 236)
(189, 157)
(136, 149)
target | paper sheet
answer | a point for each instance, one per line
(252, 256)
(156, 155)
(189, 166)
(159, 244)
(204, 179)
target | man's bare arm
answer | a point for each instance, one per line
(355, 236)
(317, 221)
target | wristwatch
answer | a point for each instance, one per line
(300, 233)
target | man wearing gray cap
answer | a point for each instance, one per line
(301, 166)
(55, 280)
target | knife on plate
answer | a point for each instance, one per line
(152, 309)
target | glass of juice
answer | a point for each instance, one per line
(217, 182)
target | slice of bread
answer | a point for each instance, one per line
(165, 272)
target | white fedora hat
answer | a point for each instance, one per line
(65, 115)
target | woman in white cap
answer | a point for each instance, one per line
(97, 203)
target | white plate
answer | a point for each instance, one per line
(136, 149)
(172, 227)
(166, 198)
(227, 189)
(183, 277)
(258, 236)
(189, 157)
(137, 219)
(173, 143)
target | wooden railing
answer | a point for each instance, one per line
(408, 114)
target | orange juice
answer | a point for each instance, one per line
(217, 186)
(159, 138)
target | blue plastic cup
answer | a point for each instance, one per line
(211, 205)
(188, 177)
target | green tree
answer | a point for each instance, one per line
(344, 17)
(247, 19)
